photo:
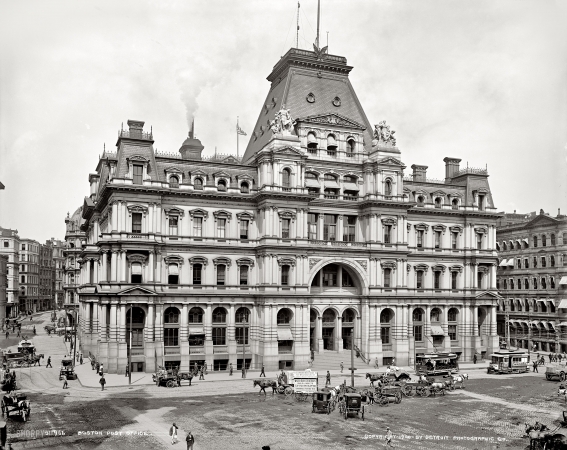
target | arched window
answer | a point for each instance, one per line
(173, 181)
(420, 200)
(311, 142)
(543, 283)
(285, 315)
(544, 240)
(455, 204)
(173, 274)
(242, 318)
(244, 188)
(242, 315)
(417, 317)
(219, 315)
(331, 145)
(552, 282)
(504, 246)
(351, 145)
(198, 184)
(348, 316)
(171, 327)
(526, 283)
(388, 188)
(511, 283)
(535, 283)
(171, 315)
(438, 202)
(286, 178)
(221, 185)
(535, 241)
(435, 315)
(311, 176)
(552, 239)
(196, 315)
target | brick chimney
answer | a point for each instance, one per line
(419, 172)
(451, 167)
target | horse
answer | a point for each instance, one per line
(459, 379)
(266, 384)
(36, 359)
(438, 386)
(373, 377)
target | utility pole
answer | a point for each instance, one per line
(318, 20)
(297, 31)
(75, 344)
(508, 330)
(130, 347)
(352, 369)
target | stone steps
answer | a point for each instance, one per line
(329, 360)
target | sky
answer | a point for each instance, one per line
(483, 81)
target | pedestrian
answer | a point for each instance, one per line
(201, 376)
(371, 397)
(101, 371)
(474, 358)
(230, 369)
(190, 441)
(126, 372)
(18, 332)
(48, 362)
(535, 367)
(49, 332)
(34, 330)
(81, 358)
(376, 363)
(178, 378)
(342, 367)
(92, 364)
(65, 385)
(7, 334)
(173, 434)
(389, 437)
(71, 345)
(263, 372)
(328, 378)
(102, 382)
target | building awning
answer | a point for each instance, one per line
(563, 324)
(331, 184)
(526, 241)
(311, 138)
(351, 187)
(551, 324)
(563, 281)
(284, 334)
(510, 262)
(173, 269)
(311, 183)
(503, 263)
(196, 330)
(563, 303)
(436, 330)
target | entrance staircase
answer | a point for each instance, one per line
(330, 360)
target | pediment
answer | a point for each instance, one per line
(136, 290)
(391, 161)
(198, 172)
(541, 220)
(488, 295)
(222, 173)
(332, 119)
(288, 150)
(172, 169)
(230, 159)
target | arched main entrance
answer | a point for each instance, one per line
(328, 318)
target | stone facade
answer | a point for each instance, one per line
(10, 247)
(314, 241)
(74, 239)
(29, 275)
(532, 280)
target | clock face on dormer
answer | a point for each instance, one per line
(337, 101)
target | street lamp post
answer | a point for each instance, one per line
(130, 347)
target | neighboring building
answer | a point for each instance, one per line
(314, 241)
(72, 270)
(46, 277)
(10, 247)
(29, 275)
(532, 280)
(3, 286)
(59, 248)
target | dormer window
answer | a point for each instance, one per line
(173, 181)
(455, 204)
(312, 143)
(138, 172)
(438, 202)
(420, 200)
(221, 185)
(331, 145)
(481, 205)
(198, 183)
(244, 189)
(351, 145)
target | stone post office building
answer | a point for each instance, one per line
(314, 241)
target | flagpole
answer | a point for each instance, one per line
(237, 133)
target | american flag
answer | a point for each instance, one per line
(239, 131)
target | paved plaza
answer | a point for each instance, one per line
(227, 412)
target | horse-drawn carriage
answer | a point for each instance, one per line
(323, 401)
(16, 403)
(388, 394)
(509, 361)
(26, 347)
(171, 378)
(555, 371)
(8, 381)
(351, 404)
(67, 369)
(426, 386)
(388, 377)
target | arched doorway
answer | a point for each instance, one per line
(348, 320)
(329, 318)
(336, 278)
(135, 334)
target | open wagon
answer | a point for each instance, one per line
(16, 403)
(67, 369)
(388, 394)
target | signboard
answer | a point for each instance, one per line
(303, 382)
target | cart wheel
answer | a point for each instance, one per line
(280, 390)
(288, 391)
(384, 401)
(548, 378)
(425, 392)
(170, 384)
(408, 391)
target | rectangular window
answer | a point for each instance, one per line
(219, 336)
(437, 280)
(173, 221)
(453, 280)
(349, 227)
(221, 274)
(543, 262)
(243, 275)
(171, 337)
(198, 226)
(241, 335)
(173, 275)
(420, 238)
(479, 280)
(387, 234)
(138, 171)
(221, 228)
(419, 279)
(535, 261)
(387, 277)
(312, 226)
(453, 332)
(285, 228)
(137, 337)
(479, 241)
(285, 275)
(330, 228)
(418, 333)
(197, 272)
(437, 239)
(136, 222)
(385, 335)
(244, 229)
